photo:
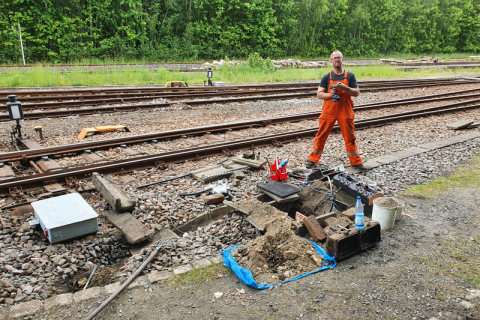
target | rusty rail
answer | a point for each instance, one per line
(103, 144)
(36, 181)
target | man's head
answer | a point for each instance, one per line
(336, 59)
(336, 56)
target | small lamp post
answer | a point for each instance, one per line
(209, 76)
(15, 112)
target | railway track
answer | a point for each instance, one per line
(15, 185)
(50, 94)
(260, 93)
(104, 144)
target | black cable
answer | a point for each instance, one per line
(194, 193)
(162, 181)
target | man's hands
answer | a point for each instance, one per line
(324, 95)
(338, 86)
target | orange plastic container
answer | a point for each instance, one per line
(280, 174)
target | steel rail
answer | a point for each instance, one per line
(149, 89)
(35, 181)
(433, 96)
(123, 98)
(148, 97)
(31, 93)
(126, 108)
(31, 154)
(62, 101)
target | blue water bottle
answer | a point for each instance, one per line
(359, 217)
(284, 162)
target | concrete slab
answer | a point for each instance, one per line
(211, 173)
(182, 269)
(134, 230)
(460, 124)
(140, 281)
(164, 233)
(90, 293)
(252, 163)
(372, 163)
(387, 159)
(158, 276)
(474, 125)
(25, 308)
(202, 263)
(217, 259)
(237, 207)
(452, 140)
(409, 152)
(203, 218)
(115, 195)
(59, 300)
(111, 288)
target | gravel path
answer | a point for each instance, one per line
(404, 266)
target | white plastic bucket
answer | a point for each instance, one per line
(386, 210)
(400, 207)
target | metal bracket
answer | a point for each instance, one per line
(276, 143)
(227, 152)
(16, 192)
(266, 122)
(123, 172)
(47, 182)
(71, 182)
(159, 164)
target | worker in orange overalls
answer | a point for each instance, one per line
(344, 84)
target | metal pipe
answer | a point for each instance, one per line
(124, 285)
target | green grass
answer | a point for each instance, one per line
(40, 77)
(464, 176)
(200, 275)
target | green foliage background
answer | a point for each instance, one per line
(58, 31)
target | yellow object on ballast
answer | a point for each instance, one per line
(176, 84)
(95, 130)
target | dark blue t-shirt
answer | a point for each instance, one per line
(352, 80)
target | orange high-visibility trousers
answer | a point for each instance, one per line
(341, 111)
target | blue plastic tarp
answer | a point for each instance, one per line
(246, 276)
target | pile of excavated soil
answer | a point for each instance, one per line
(279, 254)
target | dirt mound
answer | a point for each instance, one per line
(279, 254)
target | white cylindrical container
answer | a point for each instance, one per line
(385, 211)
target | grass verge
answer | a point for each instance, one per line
(47, 77)
(464, 176)
(198, 276)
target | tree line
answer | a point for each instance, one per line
(171, 30)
